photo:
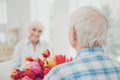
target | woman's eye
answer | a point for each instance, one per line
(40, 31)
(34, 29)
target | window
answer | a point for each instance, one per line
(3, 14)
(3, 21)
(2, 38)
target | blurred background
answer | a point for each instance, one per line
(16, 15)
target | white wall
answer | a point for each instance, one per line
(18, 13)
(59, 27)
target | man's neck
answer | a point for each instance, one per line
(78, 48)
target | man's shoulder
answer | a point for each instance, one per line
(68, 66)
(83, 66)
(96, 61)
(66, 70)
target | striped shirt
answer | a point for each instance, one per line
(89, 64)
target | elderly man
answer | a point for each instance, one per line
(88, 33)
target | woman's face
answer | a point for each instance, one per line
(35, 33)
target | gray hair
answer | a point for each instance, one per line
(37, 24)
(90, 25)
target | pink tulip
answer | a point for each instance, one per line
(35, 67)
(38, 79)
(69, 59)
(26, 78)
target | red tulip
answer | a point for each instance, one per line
(46, 53)
(60, 59)
(29, 58)
(29, 73)
(47, 69)
(16, 74)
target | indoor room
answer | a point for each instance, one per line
(16, 17)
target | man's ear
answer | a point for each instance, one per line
(74, 34)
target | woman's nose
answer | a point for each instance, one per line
(37, 33)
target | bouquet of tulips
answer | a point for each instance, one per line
(36, 68)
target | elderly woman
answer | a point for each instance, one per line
(32, 46)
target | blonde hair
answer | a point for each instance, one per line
(91, 26)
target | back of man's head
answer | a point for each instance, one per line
(91, 26)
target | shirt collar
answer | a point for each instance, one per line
(28, 41)
(90, 50)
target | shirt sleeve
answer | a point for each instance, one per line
(16, 62)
